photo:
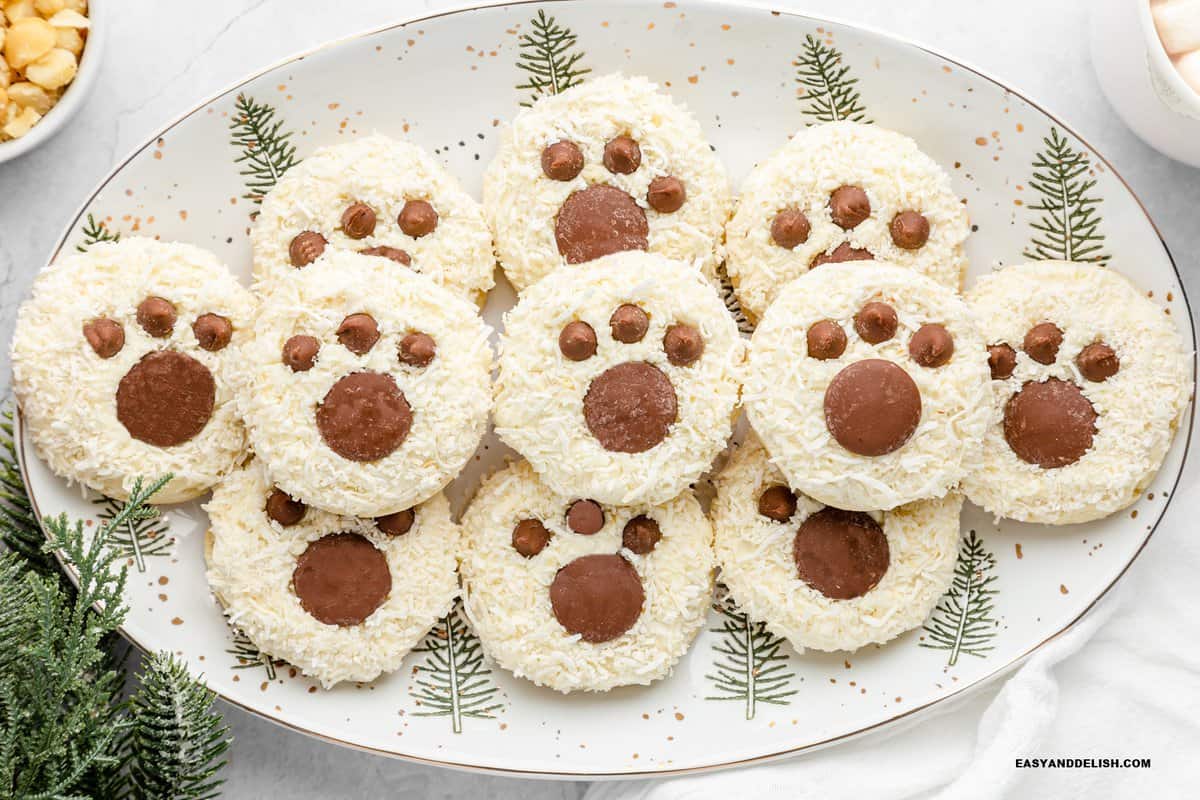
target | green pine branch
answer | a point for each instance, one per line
(136, 539)
(732, 304)
(452, 680)
(829, 88)
(94, 232)
(248, 656)
(266, 149)
(61, 720)
(548, 56)
(1068, 227)
(964, 619)
(19, 529)
(177, 739)
(754, 667)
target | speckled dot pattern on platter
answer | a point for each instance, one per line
(119, 363)
(252, 569)
(406, 207)
(344, 410)
(529, 210)
(881, 419)
(509, 595)
(907, 212)
(758, 565)
(1125, 403)
(637, 414)
(454, 82)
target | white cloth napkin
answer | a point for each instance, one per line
(1124, 682)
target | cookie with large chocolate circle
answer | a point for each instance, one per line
(379, 196)
(576, 594)
(610, 165)
(618, 379)
(365, 388)
(825, 577)
(889, 412)
(341, 598)
(843, 191)
(119, 363)
(1089, 382)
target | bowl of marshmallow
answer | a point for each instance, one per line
(1147, 57)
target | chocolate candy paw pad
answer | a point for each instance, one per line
(119, 359)
(366, 388)
(863, 389)
(608, 166)
(843, 192)
(1088, 381)
(340, 598)
(823, 577)
(578, 595)
(618, 378)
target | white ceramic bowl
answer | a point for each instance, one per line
(73, 97)
(1140, 81)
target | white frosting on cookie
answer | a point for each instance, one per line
(507, 596)
(802, 174)
(449, 398)
(383, 173)
(1138, 408)
(251, 559)
(539, 408)
(521, 203)
(68, 393)
(785, 387)
(757, 563)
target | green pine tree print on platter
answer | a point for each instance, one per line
(94, 232)
(247, 655)
(751, 664)
(1068, 224)
(452, 679)
(964, 620)
(829, 91)
(548, 57)
(265, 146)
(135, 539)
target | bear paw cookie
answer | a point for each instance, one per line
(377, 196)
(1089, 380)
(618, 380)
(867, 386)
(365, 388)
(119, 362)
(823, 577)
(342, 599)
(609, 165)
(843, 191)
(575, 594)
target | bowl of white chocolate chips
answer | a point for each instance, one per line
(49, 53)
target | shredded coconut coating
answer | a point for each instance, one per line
(755, 554)
(522, 204)
(383, 173)
(888, 166)
(507, 597)
(68, 393)
(251, 559)
(785, 388)
(1138, 409)
(449, 398)
(539, 392)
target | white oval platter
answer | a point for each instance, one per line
(752, 76)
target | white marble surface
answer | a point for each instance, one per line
(163, 57)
